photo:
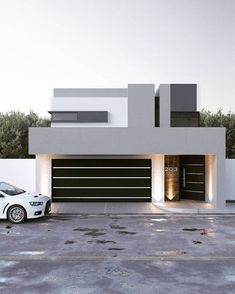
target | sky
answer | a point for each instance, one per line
(46, 44)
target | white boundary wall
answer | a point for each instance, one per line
(230, 179)
(19, 172)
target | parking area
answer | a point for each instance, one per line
(119, 254)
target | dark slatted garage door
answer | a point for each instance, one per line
(101, 180)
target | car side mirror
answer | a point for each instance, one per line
(1, 195)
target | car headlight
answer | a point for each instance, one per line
(35, 203)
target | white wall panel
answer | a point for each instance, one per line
(19, 172)
(230, 179)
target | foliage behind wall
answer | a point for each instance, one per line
(14, 133)
(220, 119)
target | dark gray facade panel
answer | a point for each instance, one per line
(183, 97)
(92, 116)
(80, 116)
(141, 102)
(83, 92)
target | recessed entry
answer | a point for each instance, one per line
(184, 177)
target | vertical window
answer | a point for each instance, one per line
(157, 112)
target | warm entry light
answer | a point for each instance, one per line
(170, 196)
(172, 177)
(170, 192)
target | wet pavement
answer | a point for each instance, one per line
(119, 254)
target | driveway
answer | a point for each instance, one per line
(119, 254)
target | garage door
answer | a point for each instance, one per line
(101, 180)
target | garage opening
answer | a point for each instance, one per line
(101, 180)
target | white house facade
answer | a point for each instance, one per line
(129, 144)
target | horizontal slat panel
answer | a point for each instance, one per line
(192, 191)
(195, 169)
(101, 162)
(189, 182)
(101, 172)
(102, 182)
(197, 159)
(194, 178)
(101, 192)
(196, 187)
(100, 167)
(101, 199)
(97, 197)
(103, 187)
(193, 195)
(101, 178)
(192, 164)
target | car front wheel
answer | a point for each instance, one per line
(16, 214)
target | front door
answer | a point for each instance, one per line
(192, 177)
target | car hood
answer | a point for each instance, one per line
(33, 196)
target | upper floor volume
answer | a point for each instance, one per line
(134, 120)
(138, 105)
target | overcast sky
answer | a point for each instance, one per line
(46, 44)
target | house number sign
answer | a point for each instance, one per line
(171, 169)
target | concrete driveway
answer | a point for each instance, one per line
(182, 207)
(119, 254)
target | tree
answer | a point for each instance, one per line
(220, 119)
(14, 133)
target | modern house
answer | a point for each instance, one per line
(129, 144)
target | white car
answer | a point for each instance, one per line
(16, 205)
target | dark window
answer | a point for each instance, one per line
(157, 112)
(185, 119)
(64, 116)
(79, 116)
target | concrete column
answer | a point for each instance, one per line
(215, 180)
(165, 105)
(141, 105)
(210, 176)
(158, 179)
(43, 174)
(220, 181)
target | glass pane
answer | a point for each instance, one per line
(64, 116)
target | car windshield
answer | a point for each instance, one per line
(9, 189)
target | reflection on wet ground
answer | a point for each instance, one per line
(119, 254)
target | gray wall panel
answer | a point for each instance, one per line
(141, 105)
(94, 92)
(127, 141)
(165, 105)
